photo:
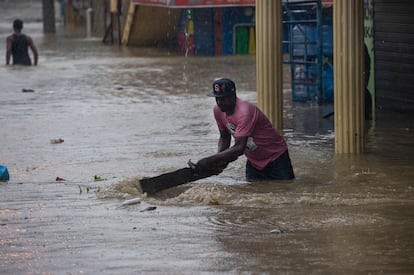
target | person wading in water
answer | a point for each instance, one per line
(17, 46)
(255, 137)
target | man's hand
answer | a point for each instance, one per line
(206, 165)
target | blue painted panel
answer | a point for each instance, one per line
(231, 17)
(204, 31)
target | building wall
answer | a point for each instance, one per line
(232, 18)
(154, 26)
(394, 54)
(100, 18)
(204, 31)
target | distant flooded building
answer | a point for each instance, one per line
(225, 27)
(196, 27)
(214, 27)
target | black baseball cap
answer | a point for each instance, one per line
(223, 87)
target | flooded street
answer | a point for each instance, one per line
(129, 113)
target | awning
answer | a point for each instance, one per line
(195, 3)
(209, 3)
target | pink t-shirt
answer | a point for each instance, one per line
(264, 145)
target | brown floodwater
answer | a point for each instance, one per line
(129, 113)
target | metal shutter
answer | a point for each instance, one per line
(394, 54)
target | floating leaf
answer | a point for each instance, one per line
(98, 178)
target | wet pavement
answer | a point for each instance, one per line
(128, 113)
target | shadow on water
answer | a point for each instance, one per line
(130, 113)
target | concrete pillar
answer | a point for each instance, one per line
(89, 13)
(269, 70)
(348, 76)
(48, 11)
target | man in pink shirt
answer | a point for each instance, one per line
(254, 136)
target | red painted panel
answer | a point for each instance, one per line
(195, 3)
(214, 3)
(209, 3)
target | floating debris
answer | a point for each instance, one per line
(131, 201)
(98, 178)
(88, 188)
(27, 91)
(60, 179)
(56, 140)
(4, 173)
(149, 208)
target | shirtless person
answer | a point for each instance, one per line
(17, 46)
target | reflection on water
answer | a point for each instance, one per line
(130, 113)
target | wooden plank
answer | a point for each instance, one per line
(171, 179)
(128, 23)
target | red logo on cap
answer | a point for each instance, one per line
(217, 88)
